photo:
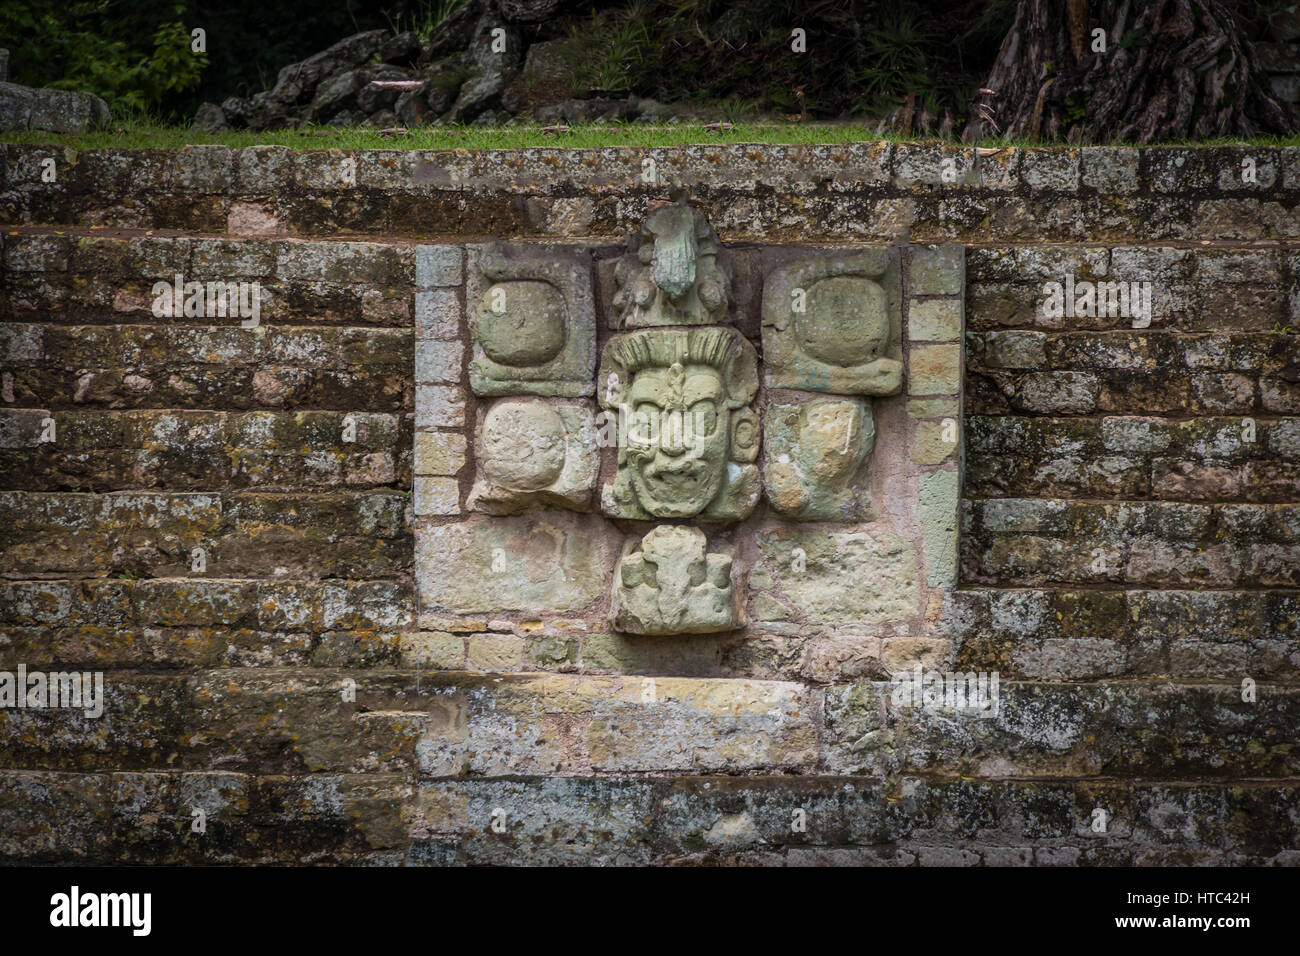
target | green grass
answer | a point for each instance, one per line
(140, 135)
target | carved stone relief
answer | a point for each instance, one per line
(668, 582)
(817, 459)
(687, 436)
(677, 452)
(674, 274)
(531, 454)
(533, 320)
(834, 324)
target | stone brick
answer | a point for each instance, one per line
(552, 563)
(937, 270)
(204, 169)
(264, 170)
(935, 320)
(1110, 169)
(604, 652)
(934, 442)
(843, 576)
(438, 361)
(494, 652)
(1014, 349)
(1058, 392)
(439, 266)
(436, 496)
(439, 406)
(1056, 169)
(439, 453)
(437, 314)
(436, 649)
(934, 370)
(939, 494)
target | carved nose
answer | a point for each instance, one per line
(672, 441)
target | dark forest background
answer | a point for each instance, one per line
(864, 57)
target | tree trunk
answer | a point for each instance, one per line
(1171, 69)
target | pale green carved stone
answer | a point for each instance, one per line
(836, 577)
(529, 329)
(554, 561)
(833, 323)
(675, 272)
(668, 583)
(687, 438)
(818, 459)
(533, 320)
(937, 504)
(531, 454)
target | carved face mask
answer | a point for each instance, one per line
(677, 442)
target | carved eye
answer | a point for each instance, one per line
(704, 415)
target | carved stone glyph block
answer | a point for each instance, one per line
(817, 458)
(531, 454)
(687, 436)
(834, 324)
(533, 320)
(668, 583)
(675, 272)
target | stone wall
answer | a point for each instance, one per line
(344, 677)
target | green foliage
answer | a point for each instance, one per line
(618, 45)
(84, 45)
(145, 133)
(863, 56)
(1076, 107)
(1133, 38)
(897, 63)
(426, 17)
(129, 51)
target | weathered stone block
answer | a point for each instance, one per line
(934, 370)
(1014, 349)
(555, 562)
(817, 459)
(938, 500)
(436, 496)
(860, 576)
(439, 406)
(532, 454)
(834, 324)
(533, 319)
(1110, 170)
(264, 170)
(439, 266)
(937, 270)
(439, 453)
(556, 821)
(437, 314)
(204, 169)
(438, 361)
(935, 320)
(935, 442)
(670, 583)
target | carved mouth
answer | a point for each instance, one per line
(680, 487)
